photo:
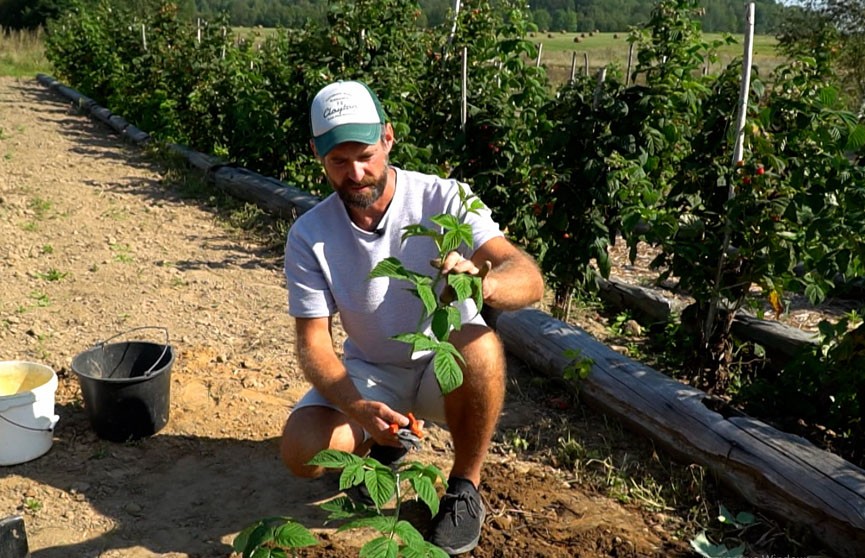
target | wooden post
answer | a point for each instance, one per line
(630, 64)
(738, 149)
(602, 77)
(223, 43)
(540, 51)
(573, 66)
(198, 30)
(586, 63)
(464, 90)
(453, 29)
(143, 37)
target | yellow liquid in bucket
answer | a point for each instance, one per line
(21, 380)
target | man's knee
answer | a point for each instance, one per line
(307, 432)
(481, 348)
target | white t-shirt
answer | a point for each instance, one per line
(328, 260)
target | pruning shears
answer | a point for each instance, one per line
(409, 436)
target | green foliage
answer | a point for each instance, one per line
(439, 311)
(833, 33)
(579, 367)
(731, 525)
(276, 536)
(270, 537)
(823, 384)
(396, 537)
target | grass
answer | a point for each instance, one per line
(22, 53)
(602, 49)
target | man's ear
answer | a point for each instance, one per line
(388, 136)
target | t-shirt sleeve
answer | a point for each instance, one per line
(309, 294)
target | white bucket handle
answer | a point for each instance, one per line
(52, 422)
(158, 360)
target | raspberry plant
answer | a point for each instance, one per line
(439, 311)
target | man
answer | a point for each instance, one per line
(330, 252)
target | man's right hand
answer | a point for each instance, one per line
(376, 417)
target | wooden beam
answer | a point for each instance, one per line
(783, 474)
(777, 338)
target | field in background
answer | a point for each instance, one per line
(603, 49)
(22, 53)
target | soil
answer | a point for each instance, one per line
(99, 240)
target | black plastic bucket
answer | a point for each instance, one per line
(126, 388)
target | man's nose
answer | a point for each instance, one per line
(357, 171)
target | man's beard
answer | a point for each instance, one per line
(365, 198)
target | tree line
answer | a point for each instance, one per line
(548, 15)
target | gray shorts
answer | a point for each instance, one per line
(404, 390)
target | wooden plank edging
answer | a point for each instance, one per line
(777, 338)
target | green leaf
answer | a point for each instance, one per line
(381, 547)
(828, 96)
(424, 487)
(418, 341)
(381, 483)
(351, 475)
(263, 552)
(424, 550)
(334, 459)
(294, 535)
(254, 536)
(452, 239)
(704, 548)
(815, 293)
(417, 230)
(428, 297)
(447, 371)
(441, 323)
(446, 221)
(408, 534)
(856, 139)
(390, 267)
(380, 523)
(462, 284)
(341, 508)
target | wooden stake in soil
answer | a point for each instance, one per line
(738, 149)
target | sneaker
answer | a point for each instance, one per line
(389, 456)
(457, 525)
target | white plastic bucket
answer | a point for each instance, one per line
(27, 416)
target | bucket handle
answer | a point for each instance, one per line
(158, 360)
(32, 429)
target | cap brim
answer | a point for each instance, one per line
(369, 134)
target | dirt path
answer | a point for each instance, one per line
(96, 242)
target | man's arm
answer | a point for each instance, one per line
(513, 280)
(323, 369)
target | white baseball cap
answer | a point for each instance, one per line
(345, 111)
